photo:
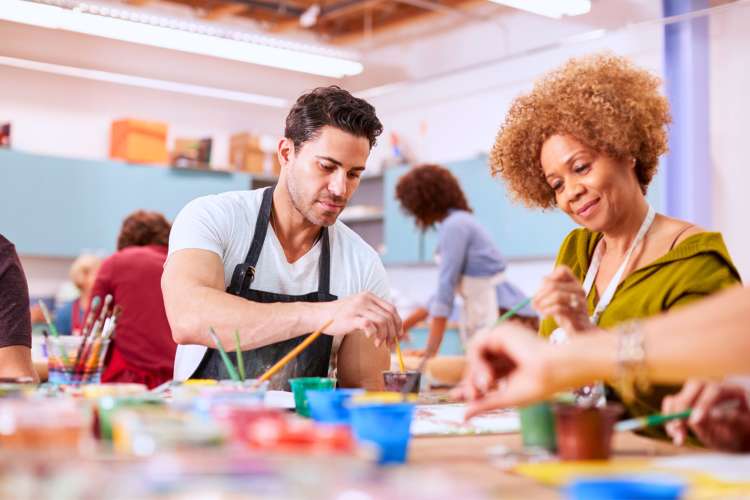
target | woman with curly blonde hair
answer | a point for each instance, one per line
(587, 140)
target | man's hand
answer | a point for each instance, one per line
(513, 354)
(364, 312)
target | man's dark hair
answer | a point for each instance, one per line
(332, 106)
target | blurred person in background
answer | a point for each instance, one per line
(69, 317)
(142, 350)
(469, 262)
(15, 320)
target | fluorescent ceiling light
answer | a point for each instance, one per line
(149, 83)
(550, 8)
(176, 34)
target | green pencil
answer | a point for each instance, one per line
(513, 311)
(224, 357)
(650, 420)
(240, 360)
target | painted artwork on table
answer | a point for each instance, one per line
(448, 420)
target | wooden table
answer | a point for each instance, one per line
(467, 458)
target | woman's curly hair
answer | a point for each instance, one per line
(143, 228)
(428, 191)
(601, 100)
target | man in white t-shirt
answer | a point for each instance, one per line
(275, 264)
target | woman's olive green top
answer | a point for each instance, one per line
(697, 267)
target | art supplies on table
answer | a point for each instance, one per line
(80, 359)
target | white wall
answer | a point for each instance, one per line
(70, 116)
(730, 123)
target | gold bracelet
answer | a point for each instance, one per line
(631, 361)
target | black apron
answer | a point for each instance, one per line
(315, 359)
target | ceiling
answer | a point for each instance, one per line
(333, 21)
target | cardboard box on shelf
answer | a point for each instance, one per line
(192, 153)
(139, 141)
(247, 153)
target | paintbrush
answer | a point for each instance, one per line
(291, 354)
(400, 357)
(109, 330)
(105, 309)
(91, 315)
(55, 333)
(512, 312)
(661, 418)
(238, 354)
(650, 421)
(87, 329)
(224, 357)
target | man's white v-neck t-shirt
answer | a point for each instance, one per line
(224, 224)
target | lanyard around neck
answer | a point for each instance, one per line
(588, 283)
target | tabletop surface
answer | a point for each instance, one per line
(468, 458)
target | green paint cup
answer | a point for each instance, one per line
(300, 386)
(538, 427)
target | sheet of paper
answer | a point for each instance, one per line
(448, 420)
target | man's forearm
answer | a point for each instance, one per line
(259, 324)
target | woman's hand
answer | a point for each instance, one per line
(720, 417)
(561, 297)
(513, 353)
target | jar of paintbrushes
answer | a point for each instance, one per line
(75, 360)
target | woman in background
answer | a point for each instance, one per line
(142, 350)
(587, 140)
(469, 262)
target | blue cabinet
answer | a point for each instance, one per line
(53, 206)
(517, 230)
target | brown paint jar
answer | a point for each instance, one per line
(396, 381)
(585, 433)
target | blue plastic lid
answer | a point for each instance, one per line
(642, 487)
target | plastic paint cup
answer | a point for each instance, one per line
(330, 406)
(585, 433)
(396, 381)
(538, 427)
(386, 426)
(300, 386)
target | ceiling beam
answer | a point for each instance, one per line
(228, 9)
(329, 13)
(285, 8)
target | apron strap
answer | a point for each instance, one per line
(261, 227)
(244, 273)
(324, 265)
